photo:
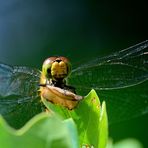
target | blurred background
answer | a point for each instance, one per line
(31, 31)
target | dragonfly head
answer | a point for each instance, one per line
(56, 68)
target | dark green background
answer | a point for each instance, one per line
(31, 31)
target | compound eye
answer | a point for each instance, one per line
(46, 67)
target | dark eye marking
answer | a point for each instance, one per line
(49, 71)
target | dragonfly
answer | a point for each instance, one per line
(119, 78)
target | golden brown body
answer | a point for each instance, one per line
(58, 95)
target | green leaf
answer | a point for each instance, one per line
(90, 118)
(42, 131)
(103, 127)
(128, 143)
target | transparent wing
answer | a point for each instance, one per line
(18, 81)
(18, 93)
(121, 69)
(120, 78)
